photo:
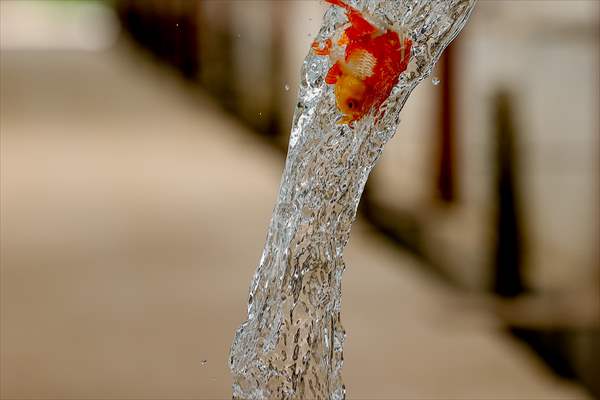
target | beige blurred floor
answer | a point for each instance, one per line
(133, 216)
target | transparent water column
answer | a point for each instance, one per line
(291, 345)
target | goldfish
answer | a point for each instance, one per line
(367, 62)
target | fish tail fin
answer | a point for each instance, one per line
(360, 26)
(340, 3)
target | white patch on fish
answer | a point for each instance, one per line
(361, 64)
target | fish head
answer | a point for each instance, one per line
(350, 95)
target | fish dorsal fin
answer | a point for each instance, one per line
(361, 64)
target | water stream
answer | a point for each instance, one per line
(291, 345)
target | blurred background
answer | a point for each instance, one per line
(142, 143)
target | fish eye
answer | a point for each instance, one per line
(351, 104)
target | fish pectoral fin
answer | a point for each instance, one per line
(334, 73)
(343, 40)
(405, 54)
(346, 119)
(322, 51)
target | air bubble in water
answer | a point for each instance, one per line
(435, 80)
(286, 87)
(203, 363)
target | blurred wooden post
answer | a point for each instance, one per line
(507, 274)
(446, 179)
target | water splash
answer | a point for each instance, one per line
(291, 345)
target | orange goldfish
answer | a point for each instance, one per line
(367, 68)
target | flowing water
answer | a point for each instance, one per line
(291, 345)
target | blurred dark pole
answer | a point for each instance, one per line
(169, 30)
(446, 157)
(507, 274)
(216, 53)
(275, 126)
(187, 40)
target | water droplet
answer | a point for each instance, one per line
(203, 363)
(435, 80)
(286, 87)
(260, 114)
(177, 25)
